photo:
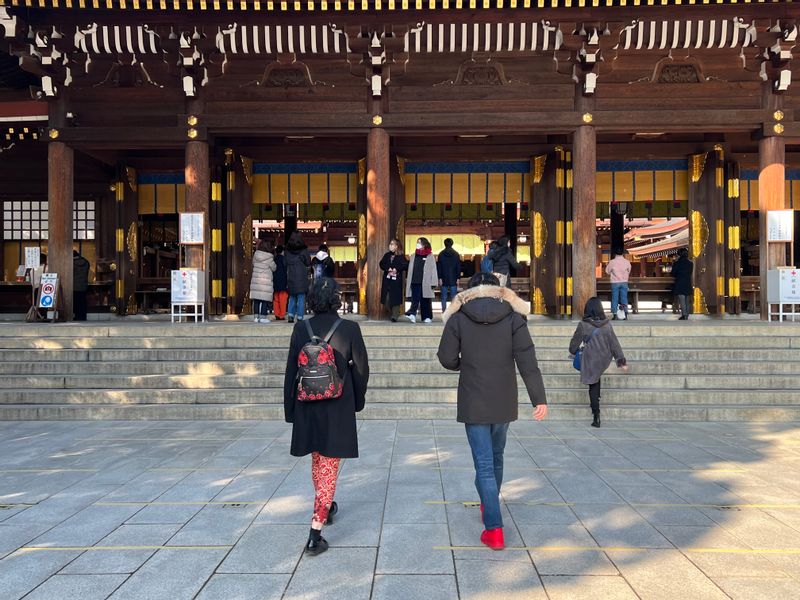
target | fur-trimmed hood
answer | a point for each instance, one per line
(486, 304)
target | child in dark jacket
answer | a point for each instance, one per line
(600, 346)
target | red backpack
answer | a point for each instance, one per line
(317, 377)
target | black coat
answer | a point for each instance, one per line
(297, 263)
(486, 332)
(449, 265)
(503, 260)
(328, 426)
(80, 274)
(328, 266)
(280, 280)
(682, 272)
(392, 289)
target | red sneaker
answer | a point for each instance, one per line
(494, 538)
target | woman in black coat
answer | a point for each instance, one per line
(326, 429)
(393, 264)
(485, 335)
(297, 265)
(682, 288)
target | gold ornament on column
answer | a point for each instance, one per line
(539, 237)
(247, 168)
(699, 306)
(537, 305)
(362, 171)
(400, 230)
(699, 233)
(246, 235)
(697, 163)
(133, 242)
(401, 169)
(130, 174)
(537, 168)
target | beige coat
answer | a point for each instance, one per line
(430, 277)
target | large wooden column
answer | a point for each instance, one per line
(551, 234)
(584, 248)
(733, 252)
(60, 189)
(377, 218)
(239, 234)
(198, 192)
(510, 222)
(397, 205)
(127, 239)
(707, 230)
(771, 196)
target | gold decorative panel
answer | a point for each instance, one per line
(133, 242)
(539, 237)
(697, 163)
(247, 236)
(699, 233)
(699, 306)
(537, 305)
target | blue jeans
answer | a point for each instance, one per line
(619, 295)
(488, 443)
(297, 307)
(448, 290)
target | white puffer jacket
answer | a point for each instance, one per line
(261, 284)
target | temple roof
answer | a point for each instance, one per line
(305, 6)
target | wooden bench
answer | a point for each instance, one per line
(660, 287)
(750, 291)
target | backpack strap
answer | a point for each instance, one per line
(309, 330)
(333, 330)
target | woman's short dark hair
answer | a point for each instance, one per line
(503, 240)
(279, 249)
(594, 309)
(483, 279)
(324, 296)
(425, 243)
(323, 247)
(682, 252)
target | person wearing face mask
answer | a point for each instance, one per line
(393, 264)
(422, 278)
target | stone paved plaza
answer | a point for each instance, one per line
(220, 510)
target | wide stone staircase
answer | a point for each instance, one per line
(701, 370)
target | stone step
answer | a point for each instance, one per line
(699, 328)
(373, 342)
(556, 396)
(418, 354)
(277, 367)
(611, 412)
(634, 379)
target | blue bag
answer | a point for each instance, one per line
(487, 265)
(576, 361)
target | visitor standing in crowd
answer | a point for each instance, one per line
(322, 263)
(280, 285)
(393, 264)
(485, 334)
(261, 282)
(682, 289)
(598, 344)
(619, 270)
(297, 265)
(80, 285)
(503, 260)
(449, 267)
(325, 428)
(422, 278)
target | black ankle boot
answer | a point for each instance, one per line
(596, 420)
(316, 543)
(331, 512)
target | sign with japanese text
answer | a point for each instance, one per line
(192, 228)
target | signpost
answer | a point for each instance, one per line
(48, 294)
(188, 290)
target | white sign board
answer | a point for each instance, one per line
(32, 257)
(48, 291)
(783, 286)
(188, 285)
(780, 226)
(192, 228)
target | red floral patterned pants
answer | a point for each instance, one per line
(324, 471)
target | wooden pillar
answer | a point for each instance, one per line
(617, 230)
(771, 195)
(397, 207)
(584, 253)
(510, 222)
(127, 240)
(707, 230)
(377, 218)
(733, 252)
(219, 255)
(60, 167)
(239, 234)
